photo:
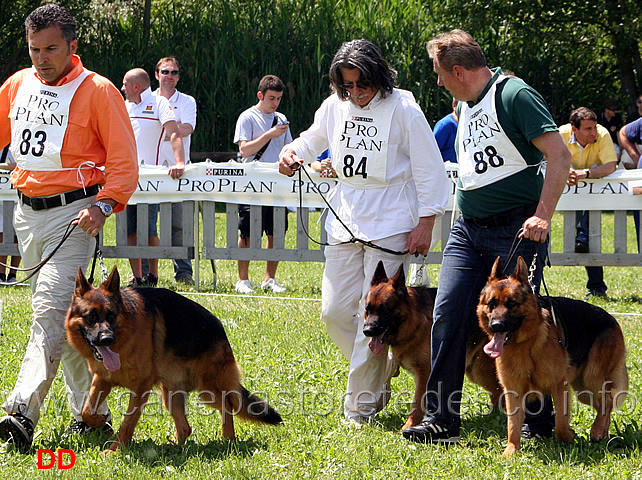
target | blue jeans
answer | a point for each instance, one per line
(468, 259)
(595, 275)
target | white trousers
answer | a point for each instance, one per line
(347, 276)
(39, 232)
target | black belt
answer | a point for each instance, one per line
(43, 203)
(505, 218)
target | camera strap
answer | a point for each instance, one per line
(259, 154)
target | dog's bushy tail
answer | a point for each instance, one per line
(250, 407)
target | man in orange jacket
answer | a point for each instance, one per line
(64, 123)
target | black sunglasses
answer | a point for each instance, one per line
(167, 72)
(349, 86)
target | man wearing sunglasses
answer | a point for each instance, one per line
(391, 186)
(168, 73)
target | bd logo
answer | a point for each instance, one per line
(52, 458)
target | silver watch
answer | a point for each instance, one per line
(105, 208)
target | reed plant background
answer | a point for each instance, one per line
(225, 47)
(288, 358)
(571, 55)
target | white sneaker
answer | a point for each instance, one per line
(244, 286)
(273, 285)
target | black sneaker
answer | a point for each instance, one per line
(151, 280)
(135, 282)
(581, 247)
(17, 429)
(539, 426)
(429, 431)
(81, 428)
(536, 431)
(594, 293)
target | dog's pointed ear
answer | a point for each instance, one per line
(380, 274)
(112, 284)
(521, 270)
(494, 273)
(399, 280)
(82, 285)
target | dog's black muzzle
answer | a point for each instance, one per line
(103, 339)
(373, 330)
(507, 326)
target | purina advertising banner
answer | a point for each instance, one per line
(259, 183)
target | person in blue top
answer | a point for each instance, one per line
(445, 132)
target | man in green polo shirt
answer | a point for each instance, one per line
(505, 131)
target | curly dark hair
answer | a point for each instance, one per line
(366, 56)
(50, 15)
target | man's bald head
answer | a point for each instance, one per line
(139, 77)
(135, 82)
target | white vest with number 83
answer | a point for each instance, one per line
(39, 120)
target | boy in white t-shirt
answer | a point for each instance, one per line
(261, 132)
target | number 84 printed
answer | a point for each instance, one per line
(349, 169)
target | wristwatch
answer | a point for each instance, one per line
(588, 173)
(105, 208)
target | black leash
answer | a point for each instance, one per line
(98, 255)
(562, 334)
(353, 239)
(36, 268)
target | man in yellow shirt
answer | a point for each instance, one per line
(593, 156)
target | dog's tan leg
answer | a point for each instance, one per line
(603, 403)
(136, 402)
(175, 403)
(515, 417)
(98, 392)
(417, 410)
(225, 403)
(562, 402)
(227, 422)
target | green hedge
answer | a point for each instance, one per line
(226, 46)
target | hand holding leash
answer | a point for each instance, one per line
(536, 229)
(91, 220)
(420, 237)
(289, 163)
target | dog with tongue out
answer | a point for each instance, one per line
(400, 317)
(545, 346)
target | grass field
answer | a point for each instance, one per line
(288, 358)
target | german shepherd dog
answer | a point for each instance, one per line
(540, 349)
(400, 316)
(137, 338)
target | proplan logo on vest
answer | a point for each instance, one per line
(478, 130)
(40, 110)
(49, 93)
